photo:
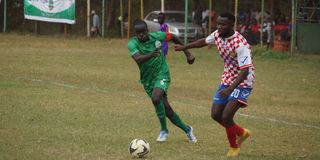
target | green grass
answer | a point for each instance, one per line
(77, 99)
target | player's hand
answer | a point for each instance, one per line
(191, 59)
(178, 47)
(225, 92)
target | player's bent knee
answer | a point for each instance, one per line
(215, 116)
(156, 100)
(227, 117)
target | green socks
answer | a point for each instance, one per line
(178, 122)
(175, 119)
(161, 114)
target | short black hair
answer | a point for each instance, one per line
(139, 22)
(162, 14)
(228, 15)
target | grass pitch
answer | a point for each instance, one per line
(77, 99)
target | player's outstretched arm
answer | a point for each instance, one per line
(139, 58)
(196, 44)
(189, 56)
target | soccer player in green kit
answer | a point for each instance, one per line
(145, 49)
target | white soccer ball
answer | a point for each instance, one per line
(139, 148)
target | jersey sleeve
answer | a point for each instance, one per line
(163, 36)
(210, 39)
(132, 47)
(168, 36)
(244, 56)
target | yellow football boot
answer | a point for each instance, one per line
(243, 137)
(233, 152)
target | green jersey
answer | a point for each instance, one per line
(156, 67)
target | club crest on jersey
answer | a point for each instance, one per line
(158, 44)
(243, 60)
(162, 82)
(245, 94)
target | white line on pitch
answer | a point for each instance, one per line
(133, 95)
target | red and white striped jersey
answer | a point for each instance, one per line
(236, 54)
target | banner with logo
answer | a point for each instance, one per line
(59, 11)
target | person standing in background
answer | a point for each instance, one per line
(163, 28)
(205, 20)
(95, 29)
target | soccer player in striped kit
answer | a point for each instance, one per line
(236, 81)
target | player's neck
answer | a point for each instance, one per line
(231, 33)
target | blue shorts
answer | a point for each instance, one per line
(239, 94)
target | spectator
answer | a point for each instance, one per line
(197, 15)
(301, 16)
(95, 29)
(213, 20)
(268, 30)
(255, 14)
(163, 28)
(205, 20)
(254, 29)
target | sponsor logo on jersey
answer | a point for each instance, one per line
(162, 81)
(245, 93)
(243, 60)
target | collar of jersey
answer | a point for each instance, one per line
(234, 34)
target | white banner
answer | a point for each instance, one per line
(60, 11)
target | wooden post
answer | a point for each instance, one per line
(162, 5)
(272, 8)
(103, 17)
(261, 23)
(36, 27)
(65, 29)
(4, 15)
(186, 22)
(129, 18)
(88, 18)
(235, 14)
(122, 18)
(210, 16)
(293, 28)
(141, 9)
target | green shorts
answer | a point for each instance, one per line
(163, 84)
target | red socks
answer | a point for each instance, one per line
(232, 133)
(239, 130)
